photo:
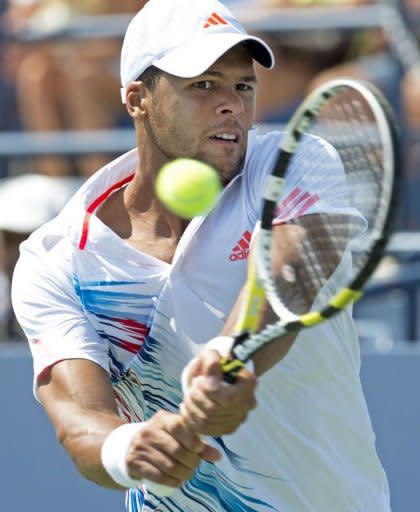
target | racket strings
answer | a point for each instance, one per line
(338, 245)
(363, 162)
(318, 256)
(360, 150)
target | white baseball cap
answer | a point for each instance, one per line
(183, 38)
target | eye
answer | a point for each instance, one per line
(203, 84)
(244, 87)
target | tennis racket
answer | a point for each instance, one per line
(331, 254)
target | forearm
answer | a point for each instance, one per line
(78, 398)
(83, 440)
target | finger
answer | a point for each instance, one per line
(220, 423)
(241, 392)
(160, 463)
(178, 429)
(206, 364)
(210, 364)
(184, 447)
(204, 395)
(165, 441)
(195, 415)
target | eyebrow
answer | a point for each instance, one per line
(245, 78)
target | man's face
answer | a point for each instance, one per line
(206, 117)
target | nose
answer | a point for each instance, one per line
(230, 102)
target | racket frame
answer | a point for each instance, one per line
(247, 341)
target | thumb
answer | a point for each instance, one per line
(188, 373)
(211, 371)
(206, 365)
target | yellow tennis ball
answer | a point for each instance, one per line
(188, 187)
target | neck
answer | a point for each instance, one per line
(146, 214)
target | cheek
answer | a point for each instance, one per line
(174, 115)
(186, 122)
(250, 106)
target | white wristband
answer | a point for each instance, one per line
(221, 344)
(114, 453)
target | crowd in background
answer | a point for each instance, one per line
(61, 84)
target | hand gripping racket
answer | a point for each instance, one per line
(331, 254)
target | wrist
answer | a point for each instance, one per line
(114, 454)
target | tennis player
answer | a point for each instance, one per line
(116, 295)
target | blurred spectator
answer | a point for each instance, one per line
(300, 56)
(312, 3)
(65, 84)
(26, 202)
(377, 61)
(7, 112)
(309, 58)
(410, 95)
(410, 102)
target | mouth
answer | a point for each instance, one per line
(226, 137)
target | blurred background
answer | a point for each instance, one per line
(61, 119)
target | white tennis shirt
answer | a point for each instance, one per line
(79, 291)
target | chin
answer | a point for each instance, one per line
(226, 169)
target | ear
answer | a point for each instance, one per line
(136, 99)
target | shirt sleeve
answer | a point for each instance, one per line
(47, 306)
(315, 181)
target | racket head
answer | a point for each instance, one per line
(342, 148)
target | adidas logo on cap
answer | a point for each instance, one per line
(215, 19)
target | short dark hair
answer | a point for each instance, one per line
(150, 77)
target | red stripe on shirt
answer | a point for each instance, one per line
(97, 202)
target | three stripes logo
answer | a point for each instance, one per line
(214, 20)
(295, 205)
(241, 249)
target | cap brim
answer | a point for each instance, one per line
(195, 57)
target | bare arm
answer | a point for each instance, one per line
(78, 397)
